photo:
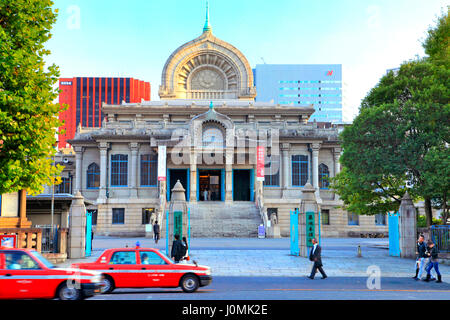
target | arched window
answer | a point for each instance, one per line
(93, 176)
(324, 174)
(213, 137)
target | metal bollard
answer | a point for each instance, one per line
(359, 251)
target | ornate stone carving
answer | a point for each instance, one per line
(207, 64)
(207, 79)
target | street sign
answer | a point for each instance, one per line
(261, 231)
(178, 223)
(295, 251)
(88, 247)
(310, 228)
(394, 234)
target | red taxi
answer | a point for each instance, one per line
(144, 268)
(26, 274)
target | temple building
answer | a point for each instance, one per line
(208, 132)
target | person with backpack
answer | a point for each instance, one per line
(178, 249)
(432, 252)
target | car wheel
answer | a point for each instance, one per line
(69, 293)
(107, 285)
(189, 283)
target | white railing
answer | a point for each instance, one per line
(210, 94)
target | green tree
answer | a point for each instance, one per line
(28, 116)
(401, 133)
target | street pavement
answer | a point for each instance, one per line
(263, 269)
(292, 288)
(271, 257)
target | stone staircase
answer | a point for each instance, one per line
(215, 219)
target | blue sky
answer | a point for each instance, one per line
(134, 38)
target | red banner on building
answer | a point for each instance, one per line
(260, 154)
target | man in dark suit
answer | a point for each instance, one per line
(178, 249)
(315, 255)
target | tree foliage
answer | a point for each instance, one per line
(28, 116)
(401, 134)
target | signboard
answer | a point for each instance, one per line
(178, 223)
(310, 228)
(88, 247)
(9, 204)
(260, 163)
(8, 241)
(162, 159)
(394, 234)
(261, 231)
(294, 233)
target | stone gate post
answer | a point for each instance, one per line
(308, 219)
(407, 227)
(178, 220)
(77, 228)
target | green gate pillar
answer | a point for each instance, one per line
(309, 223)
(177, 216)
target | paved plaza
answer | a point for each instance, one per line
(271, 257)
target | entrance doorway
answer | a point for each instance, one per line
(173, 176)
(242, 185)
(210, 184)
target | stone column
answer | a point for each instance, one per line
(193, 177)
(337, 155)
(315, 169)
(407, 227)
(284, 168)
(77, 234)
(337, 167)
(103, 146)
(229, 155)
(315, 165)
(78, 168)
(134, 147)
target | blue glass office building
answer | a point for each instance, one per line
(302, 84)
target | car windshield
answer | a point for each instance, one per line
(162, 253)
(44, 261)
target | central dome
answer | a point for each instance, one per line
(207, 68)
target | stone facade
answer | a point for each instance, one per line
(211, 126)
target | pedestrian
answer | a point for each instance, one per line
(156, 230)
(205, 195)
(432, 252)
(421, 257)
(315, 256)
(186, 248)
(92, 237)
(177, 249)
